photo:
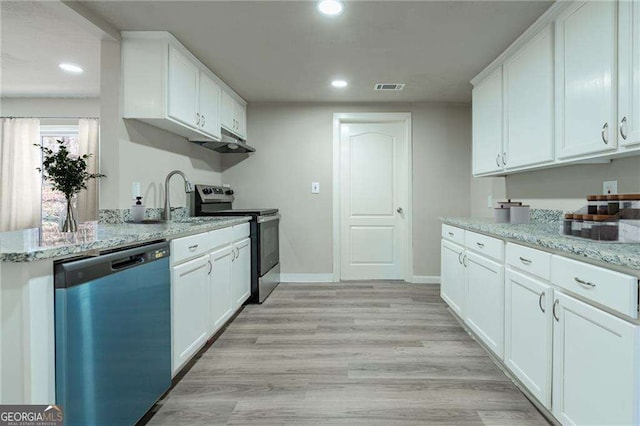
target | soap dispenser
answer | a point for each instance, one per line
(138, 210)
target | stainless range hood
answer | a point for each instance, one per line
(228, 144)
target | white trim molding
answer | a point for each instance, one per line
(372, 117)
(425, 279)
(306, 278)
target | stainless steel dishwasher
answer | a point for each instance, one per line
(113, 335)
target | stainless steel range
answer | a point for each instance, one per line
(209, 200)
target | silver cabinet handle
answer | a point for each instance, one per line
(399, 210)
(525, 260)
(554, 310)
(464, 261)
(540, 302)
(203, 120)
(498, 161)
(210, 267)
(460, 258)
(605, 133)
(193, 247)
(504, 158)
(451, 234)
(233, 253)
(480, 245)
(584, 283)
(623, 124)
(198, 118)
(237, 253)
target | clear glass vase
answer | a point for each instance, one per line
(68, 217)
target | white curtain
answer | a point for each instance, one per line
(87, 202)
(20, 182)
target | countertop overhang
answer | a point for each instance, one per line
(547, 236)
(33, 244)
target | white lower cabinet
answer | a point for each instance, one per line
(189, 309)
(595, 366)
(528, 332)
(484, 310)
(241, 273)
(453, 286)
(220, 287)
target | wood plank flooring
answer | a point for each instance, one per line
(374, 353)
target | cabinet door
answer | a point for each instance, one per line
(628, 125)
(453, 286)
(487, 124)
(484, 306)
(241, 273)
(528, 333)
(585, 47)
(209, 106)
(183, 88)
(227, 118)
(529, 103)
(189, 309)
(220, 288)
(595, 368)
(240, 115)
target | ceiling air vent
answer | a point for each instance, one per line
(389, 86)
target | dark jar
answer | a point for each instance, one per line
(592, 205)
(613, 205)
(587, 224)
(566, 224)
(603, 204)
(576, 225)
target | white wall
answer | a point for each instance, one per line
(560, 188)
(50, 107)
(294, 148)
(132, 151)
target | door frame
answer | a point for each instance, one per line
(340, 118)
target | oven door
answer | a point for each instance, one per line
(268, 231)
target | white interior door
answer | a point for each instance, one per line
(373, 200)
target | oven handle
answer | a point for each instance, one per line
(263, 219)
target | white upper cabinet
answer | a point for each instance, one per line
(208, 117)
(528, 103)
(166, 86)
(184, 75)
(585, 78)
(628, 125)
(233, 115)
(487, 124)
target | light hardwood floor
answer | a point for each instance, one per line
(371, 353)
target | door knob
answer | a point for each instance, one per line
(399, 210)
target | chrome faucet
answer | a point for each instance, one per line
(187, 188)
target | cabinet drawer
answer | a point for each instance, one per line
(240, 231)
(220, 237)
(189, 247)
(487, 246)
(533, 261)
(452, 233)
(608, 288)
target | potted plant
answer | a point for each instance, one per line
(68, 175)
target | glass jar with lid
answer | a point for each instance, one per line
(566, 224)
(587, 224)
(592, 204)
(629, 206)
(576, 225)
(604, 228)
(613, 204)
(603, 204)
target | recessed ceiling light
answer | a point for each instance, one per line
(330, 7)
(339, 83)
(72, 68)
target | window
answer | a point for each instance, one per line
(53, 202)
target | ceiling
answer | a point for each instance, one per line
(287, 51)
(34, 40)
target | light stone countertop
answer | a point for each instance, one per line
(547, 236)
(33, 244)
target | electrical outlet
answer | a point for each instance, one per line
(610, 187)
(315, 187)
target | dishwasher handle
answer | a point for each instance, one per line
(127, 262)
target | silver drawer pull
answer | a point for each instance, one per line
(525, 260)
(480, 245)
(605, 133)
(451, 234)
(584, 283)
(193, 247)
(540, 302)
(553, 310)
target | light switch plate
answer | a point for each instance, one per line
(610, 187)
(315, 187)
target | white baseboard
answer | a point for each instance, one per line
(425, 279)
(306, 278)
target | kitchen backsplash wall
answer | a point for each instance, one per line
(294, 148)
(132, 151)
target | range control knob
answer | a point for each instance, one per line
(207, 191)
(229, 192)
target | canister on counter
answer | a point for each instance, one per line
(592, 204)
(576, 225)
(587, 224)
(501, 215)
(603, 204)
(520, 215)
(629, 206)
(613, 204)
(566, 224)
(604, 228)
